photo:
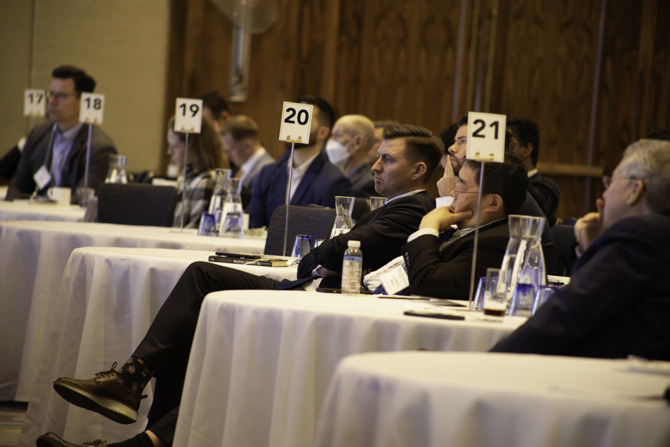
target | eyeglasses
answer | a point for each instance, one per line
(457, 191)
(608, 179)
(59, 96)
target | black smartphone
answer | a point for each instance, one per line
(419, 313)
(238, 255)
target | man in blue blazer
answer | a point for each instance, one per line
(618, 300)
(315, 179)
(55, 152)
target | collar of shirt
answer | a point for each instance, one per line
(407, 194)
(249, 165)
(532, 172)
(299, 172)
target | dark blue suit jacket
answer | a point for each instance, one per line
(617, 302)
(321, 183)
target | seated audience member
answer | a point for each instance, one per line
(56, 151)
(444, 185)
(10, 161)
(457, 152)
(618, 300)
(407, 158)
(353, 136)
(371, 156)
(243, 149)
(526, 145)
(442, 269)
(205, 153)
(659, 134)
(215, 108)
(315, 180)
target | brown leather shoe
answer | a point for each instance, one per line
(53, 440)
(104, 394)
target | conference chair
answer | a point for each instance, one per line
(315, 221)
(136, 204)
(564, 243)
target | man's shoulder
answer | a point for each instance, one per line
(421, 200)
(540, 181)
(652, 226)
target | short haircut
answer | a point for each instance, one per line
(205, 149)
(420, 143)
(239, 127)
(527, 132)
(649, 161)
(83, 82)
(325, 115)
(448, 135)
(508, 179)
(384, 123)
(659, 134)
(215, 102)
(462, 121)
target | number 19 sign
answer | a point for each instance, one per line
(188, 115)
(486, 137)
(296, 122)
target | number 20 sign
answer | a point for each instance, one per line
(486, 137)
(296, 122)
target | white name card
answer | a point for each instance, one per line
(486, 137)
(296, 122)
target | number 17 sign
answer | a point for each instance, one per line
(486, 137)
(296, 122)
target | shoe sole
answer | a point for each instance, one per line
(109, 408)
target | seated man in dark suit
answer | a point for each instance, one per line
(618, 300)
(407, 159)
(315, 180)
(55, 152)
(526, 145)
(441, 269)
(456, 158)
(353, 136)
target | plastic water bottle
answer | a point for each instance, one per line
(352, 267)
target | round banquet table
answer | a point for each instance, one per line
(484, 399)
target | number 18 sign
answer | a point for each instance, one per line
(296, 122)
(486, 137)
(91, 108)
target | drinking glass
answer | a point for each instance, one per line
(495, 303)
(344, 206)
(301, 245)
(207, 225)
(543, 293)
(522, 300)
(478, 300)
(117, 169)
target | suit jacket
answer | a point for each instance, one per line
(321, 183)
(617, 302)
(381, 232)
(446, 273)
(546, 193)
(35, 153)
(9, 162)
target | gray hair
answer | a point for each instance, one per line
(649, 161)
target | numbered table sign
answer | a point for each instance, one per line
(296, 122)
(34, 102)
(91, 108)
(486, 137)
(188, 115)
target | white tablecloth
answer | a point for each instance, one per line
(104, 306)
(33, 255)
(475, 399)
(25, 210)
(261, 361)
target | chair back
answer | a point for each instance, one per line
(361, 206)
(136, 204)
(313, 220)
(564, 242)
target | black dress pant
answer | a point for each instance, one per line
(167, 344)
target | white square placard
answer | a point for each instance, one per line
(34, 102)
(486, 137)
(188, 115)
(296, 122)
(91, 108)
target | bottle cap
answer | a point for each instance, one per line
(355, 244)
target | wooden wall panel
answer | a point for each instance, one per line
(594, 74)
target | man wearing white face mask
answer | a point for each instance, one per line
(353, 136)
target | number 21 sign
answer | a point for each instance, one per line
(486, 137)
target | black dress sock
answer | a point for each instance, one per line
(135, 374)
(141, 440)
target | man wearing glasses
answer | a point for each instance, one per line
(618, 300)
(55, 152)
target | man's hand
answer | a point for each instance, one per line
(442, 218)
(589, 227)
(445, 185)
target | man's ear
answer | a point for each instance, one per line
(636, 193)
(527, 150)
(419, 170)
(494, 203)
(322, 133)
